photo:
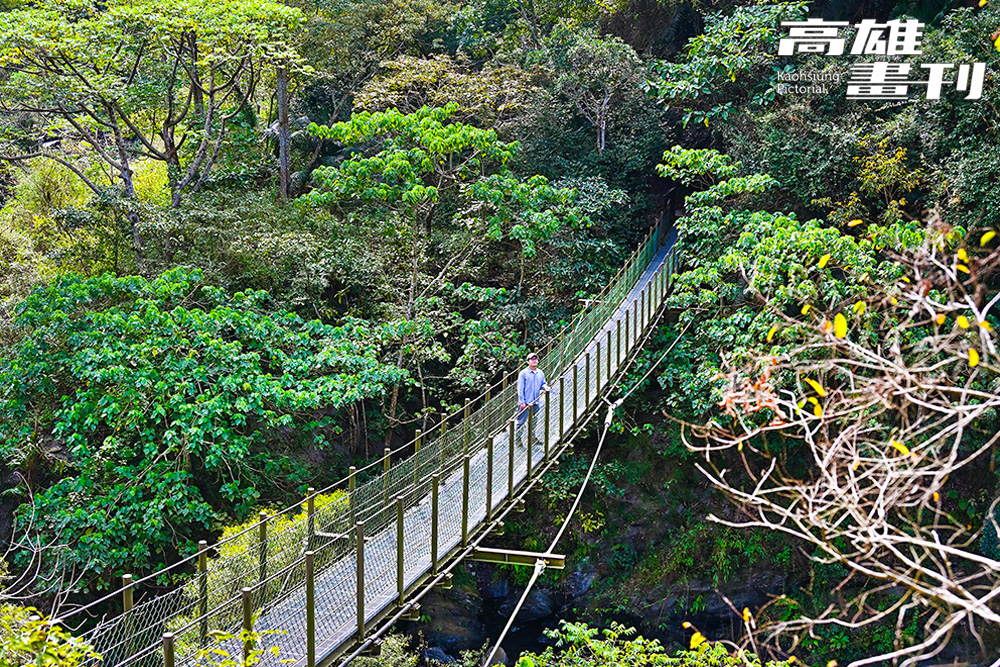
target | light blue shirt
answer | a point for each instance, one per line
(529, 385)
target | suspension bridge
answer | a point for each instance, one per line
(324, 579)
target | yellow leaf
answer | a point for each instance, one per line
(903, 449)
(706, 122)
(973, 358)
(894, 300)
(840, 326)
(937, 497)
(982, 3)
(818, 410)
(962, 268)
(859, 307)
(686, 625)
(985, 325)
(746, 615)
(856, 464)
(697, 639)
(771, 332)
(962, 255)
(987, 237)
(963, 321)
(854, 223)
(817, 387)
(739, 447)
(939, 318)
(823, 260)
(833, 663)
(805, 308)
(905, 279)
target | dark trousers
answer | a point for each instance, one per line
(522, 415)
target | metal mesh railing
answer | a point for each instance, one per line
(461, 473)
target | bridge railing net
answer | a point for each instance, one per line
(272, 564)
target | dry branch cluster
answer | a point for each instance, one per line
(849, 441)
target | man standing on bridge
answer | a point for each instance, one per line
(530, 385)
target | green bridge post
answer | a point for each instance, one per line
(607, 345)
(626, 330)
(562, 415)
(360, 591)
(530, 437)
(642, 309)
(310, 609)
(435, 481)
(637, 329)
(262, 573)
(168, 649)
(466, 460)
(127, 603)
(489, 480)
(203, 593)
(510, 460)
(310, 517)
(444, 438)
(548, 400)
(386, 460)
(418, 441)
(618, 343)
(649, 302)
(576, 387)
(127, 597)
(400, 536)
(597, 370)
(246, 594)
(465, 428)
(352, 484)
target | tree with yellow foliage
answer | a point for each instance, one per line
(860, 432)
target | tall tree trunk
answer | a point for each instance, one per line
(196, 92)
(414, 267)
(284, 139)
(602, 117)
(125, 173)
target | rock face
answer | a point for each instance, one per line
(499, 659)
(577, 585)
(454, 623)
(540, 604)
(435, 653)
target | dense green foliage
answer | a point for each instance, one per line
(28, 639)
(163, 398)
(578, 645)
(465, 164)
